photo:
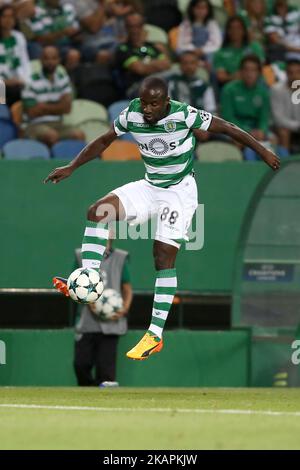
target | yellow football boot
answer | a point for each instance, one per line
(149, 344)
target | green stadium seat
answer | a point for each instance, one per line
(216, 152)
(182, 5)
(83, 111)
(156, 34)
(93, 129)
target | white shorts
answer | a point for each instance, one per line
(172, 207)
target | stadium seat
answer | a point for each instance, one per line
(83, 111)
(25, 149)
(93, 129)
(5, 112)
(121, 150)
(155, 34)
(182, 5)
(115, 109)
(67, 149)
(218, 152)
(17, 113)
(8, 131)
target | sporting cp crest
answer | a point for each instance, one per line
(170, 126)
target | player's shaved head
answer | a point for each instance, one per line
(154, 86)
(154, 98)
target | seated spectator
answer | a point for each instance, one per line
(254, 17)
(245, 102)
(188, 87)
(235, 46)
(286, 111)
(199, 31)
(55, 23)
(14, 61)
(46, 98)
(283, 32)
(162, 13)
(102, 26)
(136, 58)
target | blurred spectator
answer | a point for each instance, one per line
(14, 61)
(199, 31)
(188, 87)
(254, 17)
(46, 98)
(235, 46)
(55, 23)
(102, 26)
(162, 13)
(136, 58)
(23, 8)
(283, 32)
(97, 341)
(245, 102)
(286, 110)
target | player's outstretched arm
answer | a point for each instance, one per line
(220, 126)
(90, 152)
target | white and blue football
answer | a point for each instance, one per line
(85, 285)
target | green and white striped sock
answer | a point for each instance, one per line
(94, 244)
(165, 289)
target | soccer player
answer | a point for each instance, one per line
(165, 131)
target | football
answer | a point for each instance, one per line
(109, 303)
(85, 285)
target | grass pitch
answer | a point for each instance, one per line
(144, 418)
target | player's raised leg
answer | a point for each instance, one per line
(105, 210)
(165, 289)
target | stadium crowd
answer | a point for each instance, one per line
(239, 59)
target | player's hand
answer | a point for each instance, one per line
(271, 159)
(59, 174)
(119, 314)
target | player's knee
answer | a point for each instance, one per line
(92, 212)
(163, 260)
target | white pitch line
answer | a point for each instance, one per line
(151, 410)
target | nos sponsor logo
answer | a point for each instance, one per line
(158, 146)
(2, 353)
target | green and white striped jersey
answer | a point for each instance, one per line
(14, 60)
(40, 89)
(166, 147)
(287, 28)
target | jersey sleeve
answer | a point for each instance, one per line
(120, 124)
(198, 118)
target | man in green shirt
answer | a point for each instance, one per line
(246, 103)
(137, 58)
